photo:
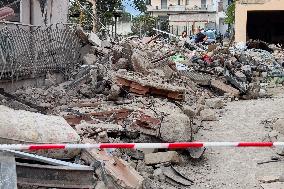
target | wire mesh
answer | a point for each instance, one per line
(30, 51)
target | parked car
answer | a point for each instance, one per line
(212, 37)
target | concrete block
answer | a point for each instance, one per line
(95, 40)
(190, 112)
(208, 115)
(279, 126)
(214, 103)
(175, 128)
(18, 126)
(162, 157)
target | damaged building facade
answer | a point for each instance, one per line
(39, 12)
(185, 15)
(259, 19)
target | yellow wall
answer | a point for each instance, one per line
(241, 14)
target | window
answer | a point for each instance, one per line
(164, 4)
(203, 3)
(148, 2)
(186, 2)
(178, 2)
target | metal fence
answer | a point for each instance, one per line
(30, 51)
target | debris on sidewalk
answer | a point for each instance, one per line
(134, 91)
(162, 157)
(18, 126)
(119, 170)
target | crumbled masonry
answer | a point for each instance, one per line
(139, 91)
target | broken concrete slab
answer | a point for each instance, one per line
(208, 115)
(106, 44)
(199, 108)
(268, 178)
(175, 176)
(114, 93)
(100, 185)
(143, 85)
(146, 124)
(119, 170)
(224, 88)
(89, 59)
(94, 39)
(189, 111)
(279, 126)
(108, 127)
(162, 157)
(275, 185)
(18, 126)
(215, 103)
(175, 128)
(158, 174)
(139, 62)
(122, 63)
(280, 137)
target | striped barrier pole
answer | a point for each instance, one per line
(179, 145)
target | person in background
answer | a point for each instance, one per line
(185, 39)
(200, 37)
(184, 34)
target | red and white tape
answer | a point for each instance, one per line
(180, 145)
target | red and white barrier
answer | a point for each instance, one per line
(180, 145)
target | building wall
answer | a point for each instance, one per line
(124, 28)
(55, 11)
(192, 16)
(190, 22)
(242, 9)
(192, 3)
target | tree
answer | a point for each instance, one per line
(80, 16)
(230, 19)
(104, 10)
(140, 5)
(144, 25)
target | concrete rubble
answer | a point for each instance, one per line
(162, 157)
(135, 91)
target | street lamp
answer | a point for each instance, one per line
(116, 14)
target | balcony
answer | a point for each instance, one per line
(151, 8)
(180, 8)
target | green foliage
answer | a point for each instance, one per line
(105, 9)
(230, 19)
(5, 2)
(145, 23)
(140, 5)
(126, 17)
(79, 16)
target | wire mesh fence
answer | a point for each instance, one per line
(29, 51)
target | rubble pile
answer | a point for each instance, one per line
(151, 91)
